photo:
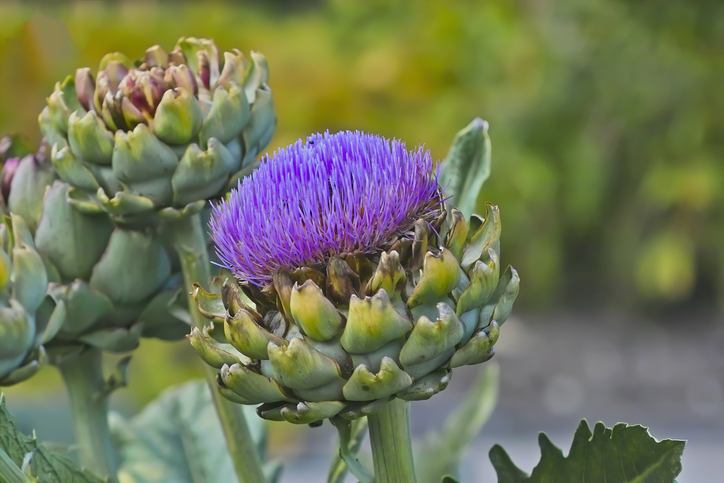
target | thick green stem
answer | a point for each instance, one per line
(391, 443)
(86, 386)
(191, 247)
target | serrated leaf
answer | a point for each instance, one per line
(441, 453)
(467, 166)
(45, 465)
(624, 454)
(10, 472)
(178, 439)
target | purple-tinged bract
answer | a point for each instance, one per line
(334, 194)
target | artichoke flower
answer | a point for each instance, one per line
(347, 281)
(161, 134)
(110, 303)
(29, 317)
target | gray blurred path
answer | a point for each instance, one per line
(556, 370)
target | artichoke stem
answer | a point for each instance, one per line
(391, 443)
(86, 386)
(191, 247)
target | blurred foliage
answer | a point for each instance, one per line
(605, 116)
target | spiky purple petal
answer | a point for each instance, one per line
(334, 194)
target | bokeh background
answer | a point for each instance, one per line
(607, 125)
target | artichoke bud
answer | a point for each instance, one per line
(371, 293)
(61, 259)
(23, 285)
(190, 96)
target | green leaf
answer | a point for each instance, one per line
(10, 472)
(45, 465)
(441, 453)
(467, 166)
(625, 454)
(351, 436)
(178, 439)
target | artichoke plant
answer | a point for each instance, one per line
(110, 302)
(29, 317)
(161, 134)
(348, 282)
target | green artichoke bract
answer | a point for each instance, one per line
(29, 317)
(354, 285)
(160, 134)
(116, 284)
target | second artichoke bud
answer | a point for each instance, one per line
(115, 284)
(162, 133)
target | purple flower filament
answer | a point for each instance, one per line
(335, 194)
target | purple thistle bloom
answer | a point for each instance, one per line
(335, 194)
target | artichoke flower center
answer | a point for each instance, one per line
(332, 195)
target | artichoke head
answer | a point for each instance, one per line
(29, 317)
(161, 134)
(109, 302)
(345, 337)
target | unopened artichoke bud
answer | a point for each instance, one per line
(110, 303)
(368, 291)
(29, 317)
(162, 134)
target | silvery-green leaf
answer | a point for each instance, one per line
(467, 166)
(178, 438)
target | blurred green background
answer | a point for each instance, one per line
(607, 119)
